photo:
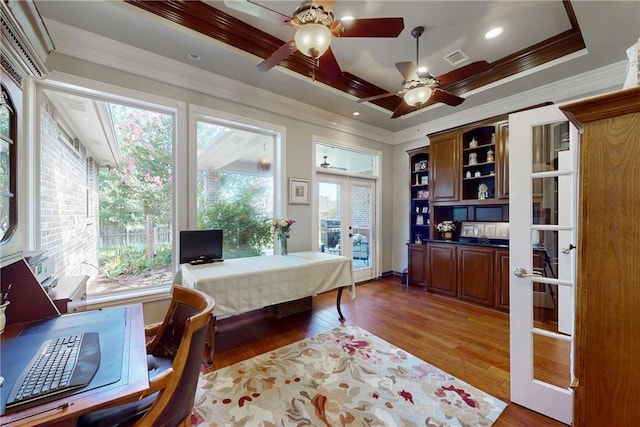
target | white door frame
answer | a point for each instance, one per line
(548, 399)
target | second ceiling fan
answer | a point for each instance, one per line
(421, 89)
(315, 27)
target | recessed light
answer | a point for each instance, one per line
(356, 113)
(194, 57)
(493, 33)
(423, 70)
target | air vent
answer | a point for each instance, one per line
(456, 57)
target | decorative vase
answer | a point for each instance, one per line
(3, 317)
(447, 235)
(283, 246)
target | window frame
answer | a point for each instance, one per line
(118, 95)
(12, 140)
(198, 113)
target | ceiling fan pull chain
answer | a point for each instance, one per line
(316, 62)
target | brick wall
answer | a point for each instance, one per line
(68, 199)
(361, 216)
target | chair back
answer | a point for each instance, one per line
(182, 337)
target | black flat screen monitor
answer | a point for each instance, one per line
(200, 246)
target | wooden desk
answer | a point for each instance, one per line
(133, 379)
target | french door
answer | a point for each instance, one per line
(346, 213)
(543, 215)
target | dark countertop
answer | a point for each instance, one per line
(497, 244)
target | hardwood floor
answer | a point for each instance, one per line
(469, 342)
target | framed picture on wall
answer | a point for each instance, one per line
(299, 191)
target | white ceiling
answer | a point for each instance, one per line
(608, 29)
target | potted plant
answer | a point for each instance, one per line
(446, 228)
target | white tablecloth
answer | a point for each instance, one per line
(242, 284)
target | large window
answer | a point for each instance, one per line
(106, 192)
(8, 132)
(235, 185)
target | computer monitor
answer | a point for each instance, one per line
(200, 246)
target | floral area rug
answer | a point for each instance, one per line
(344, 377)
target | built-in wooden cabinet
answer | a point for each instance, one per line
(472, 273)
(502, 160)
(502, 271)
(445, 167)
(468, 174)
(442, 269)
(417, 271)
(607, 336)
(476, 274)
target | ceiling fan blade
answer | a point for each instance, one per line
(445, 97)
(330, 66)
(403, 109)
(408, 71)
(371, 27)
(283, 52)
(257, 10)
(327, 5)
(373, 98)
(464, 72)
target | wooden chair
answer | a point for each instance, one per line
(175, 353)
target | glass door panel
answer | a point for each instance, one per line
(330, 214)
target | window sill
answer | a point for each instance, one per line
(125, 298)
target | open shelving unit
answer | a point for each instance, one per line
(420, 196)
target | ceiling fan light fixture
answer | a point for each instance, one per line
(313, 39)
(417, 95)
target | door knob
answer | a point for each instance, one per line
(567, 250)
(522, 273)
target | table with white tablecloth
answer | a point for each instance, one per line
(239, 285)
(242, 284)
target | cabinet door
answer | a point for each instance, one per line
(502, 160)
(445, 168)
(441, 267)
(501, 284)
(475, 275)
(417, 269)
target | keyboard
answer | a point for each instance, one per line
(61, 366)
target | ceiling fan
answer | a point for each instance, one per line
(421, 89)
(315, 27)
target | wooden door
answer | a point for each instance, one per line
(607, 365)
(502, 160)
(445, 168)
(501, 286)
(475, 275)
(442, 268)
(417, 268)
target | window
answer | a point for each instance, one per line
(235, 185)
(8, 132)
(106, 192)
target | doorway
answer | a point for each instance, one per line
(346, 215)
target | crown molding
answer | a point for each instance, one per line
(91, 47)
(101, 50)
(25, 40)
